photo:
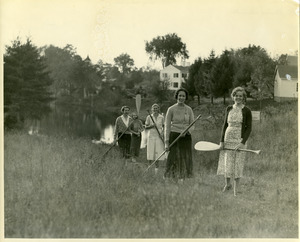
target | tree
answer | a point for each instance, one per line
(166, 48)
(206, 76)
(134, 78)
(124, 62)
(261, 84)
(60, 64)
(159, 89)
(254, 71)
(26, 83)
(193, 78)
(223, 74)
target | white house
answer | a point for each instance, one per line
(175, 75)
(286, 80)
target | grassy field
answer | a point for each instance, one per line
(57, 187)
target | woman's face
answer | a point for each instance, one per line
(238, 97)
(134, 116)
(126, 111)
(155, 109)
(181, 97)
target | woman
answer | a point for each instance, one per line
(235, 132)
(178, 118)
(135, 128)
(122, 134)
(155, 143)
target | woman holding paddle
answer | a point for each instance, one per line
(155, 143)
(122, 134)
(179, 116)
(235, 132)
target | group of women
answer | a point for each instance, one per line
(171, 135)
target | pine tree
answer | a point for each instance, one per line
(26, 84)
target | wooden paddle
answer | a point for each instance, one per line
(166, 150)
(209, 146)
(138, 103)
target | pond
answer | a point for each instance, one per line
(79, 122)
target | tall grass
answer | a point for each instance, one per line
(58, 187)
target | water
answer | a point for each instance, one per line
(80, 122)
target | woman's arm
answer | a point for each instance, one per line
(141, 126)
(225, 125)
(148, 124)
(192, 118)
(116, 129)
(168, 126)
(248, 123)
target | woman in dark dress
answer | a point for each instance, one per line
(135, 128)
(179, 116)
(122, 127)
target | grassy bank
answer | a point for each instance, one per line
(57, 187)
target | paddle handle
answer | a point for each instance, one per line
(191, 124)
(246, 150)
(156, 127)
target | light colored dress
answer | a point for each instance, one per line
(155, 146)
(231, 163)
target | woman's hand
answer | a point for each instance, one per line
(240, 145)
(149, 126)
(221, 145)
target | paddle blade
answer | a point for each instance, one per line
(138, 102)
(206, 146)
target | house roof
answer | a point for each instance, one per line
(284, 70)
(184, 69)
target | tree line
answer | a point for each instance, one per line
(250, 67)
(35, 77)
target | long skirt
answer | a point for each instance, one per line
(124, 144)
(231, 163)
(179, 162)
(135, 145)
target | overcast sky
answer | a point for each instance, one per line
(104, 29)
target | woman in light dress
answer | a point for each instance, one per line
(235, 132)
(155, 144)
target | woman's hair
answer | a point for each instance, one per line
(179, 90)
(122, 109)
(155, 105)
(239, 89)
(134, 114)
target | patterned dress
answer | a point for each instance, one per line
(231, 163)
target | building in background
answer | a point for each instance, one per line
(175, 75)
(286, 80)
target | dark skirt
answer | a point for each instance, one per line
(179, 162)
(124, 144)
(135, 145)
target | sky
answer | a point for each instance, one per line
(104, 29)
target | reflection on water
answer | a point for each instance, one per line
(107, 136)
(80, 122)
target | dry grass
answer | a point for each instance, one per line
(57, 187)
